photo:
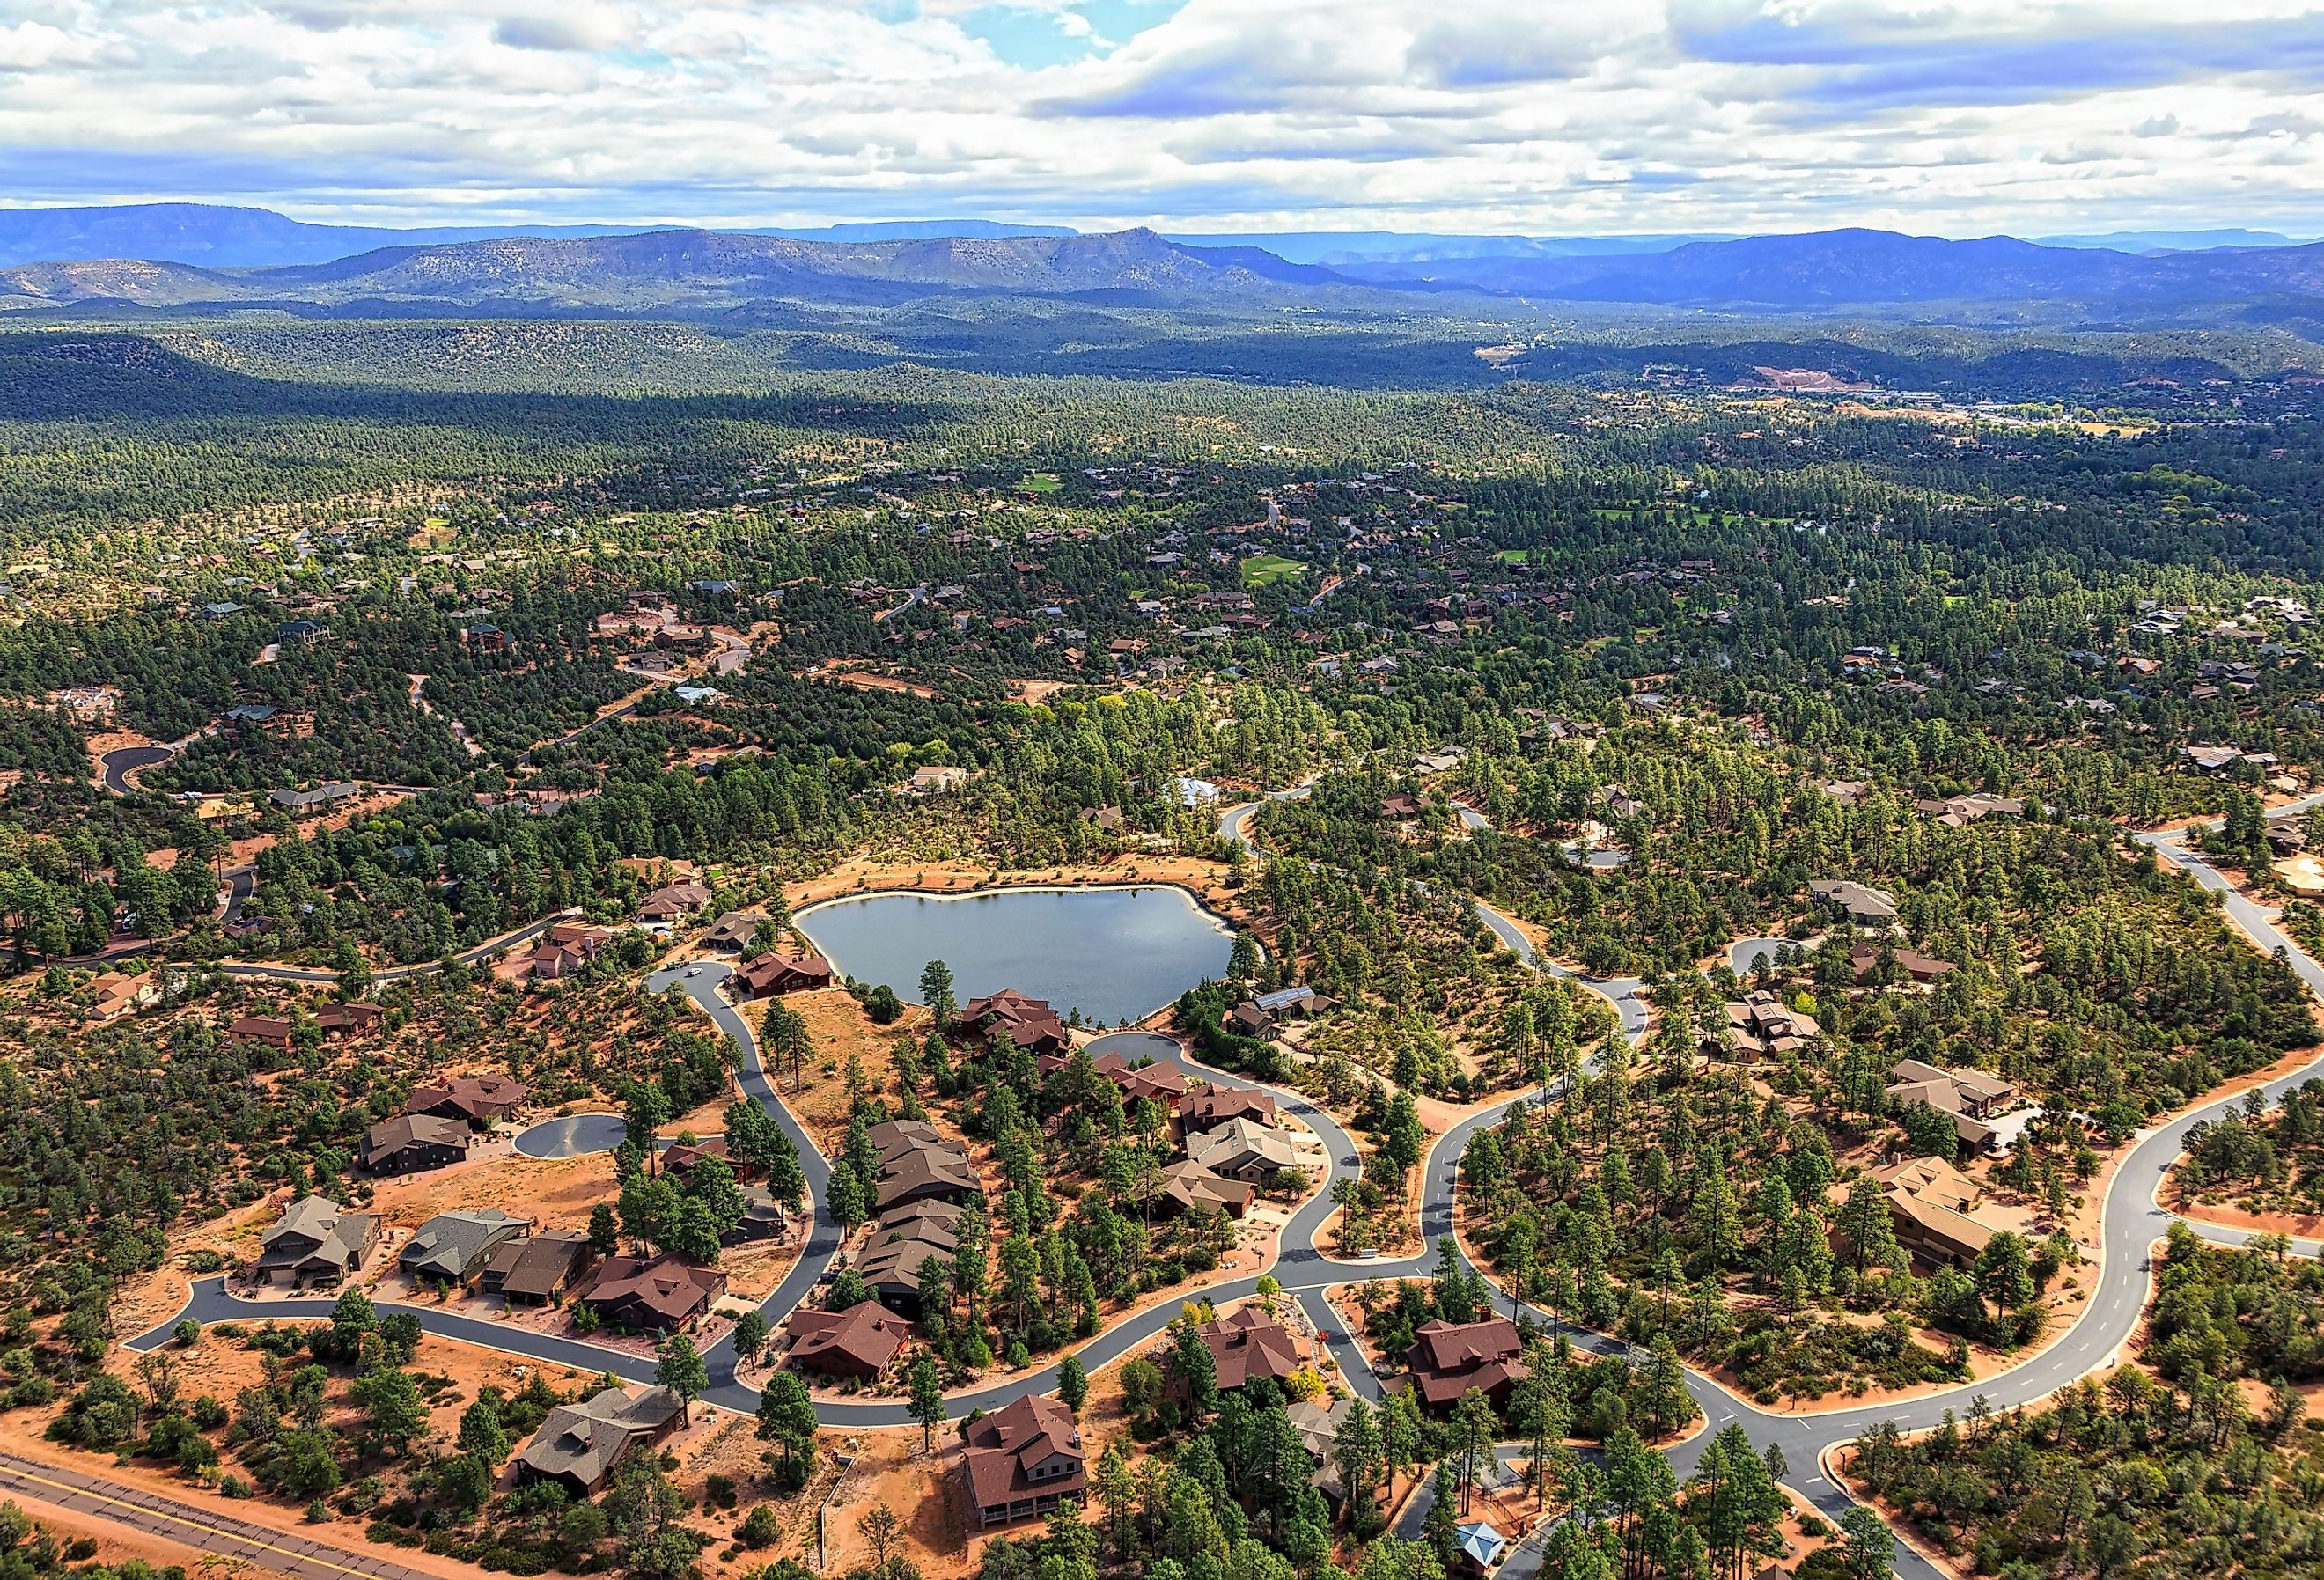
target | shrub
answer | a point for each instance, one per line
(760, 1526)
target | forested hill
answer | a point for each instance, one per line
(1994, 279)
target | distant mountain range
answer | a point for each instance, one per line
(748, 277)
(218, 237)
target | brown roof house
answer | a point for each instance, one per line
(478, 1102)
(1864, 960)
(580, 1445)
(905, 1239)
(664, 1295)
(1210, 1105)
(1015, 1018)
(1762, 1026)
(411, 1143)
(1021, 1463)
(1189, 1188)
(1929, 1204)
(1164, 1083)
(535, 1270)
(1250, 1344)
(339, 1021)
(673, 901)
(770, 976)
(1242, 1150)
(917, 1164)
(316, 1240)
(1448, 1359)
(272, 1030)
(1973, 1099)
(860, 1342)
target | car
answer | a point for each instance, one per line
(694, 971)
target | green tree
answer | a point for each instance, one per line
(937, 992)
(679, 1369)
(481, 1434)
(787, 1418)
(926, 1404)
(1073, 1383)
(392, 1404)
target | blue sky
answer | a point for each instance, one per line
(1549, 116)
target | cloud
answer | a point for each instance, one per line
(546, 33)
(1965, 116)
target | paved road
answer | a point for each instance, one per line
(122, 761)
(259, 971)
(205, 1529)
(2132, 1222)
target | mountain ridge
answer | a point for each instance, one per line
(692, 273)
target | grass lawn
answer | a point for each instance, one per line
(1040, 483)
(1514, 555)
(1265, 569)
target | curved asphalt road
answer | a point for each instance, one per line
(2132, 1222)
(122, 761)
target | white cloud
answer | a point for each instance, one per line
(1958, 116)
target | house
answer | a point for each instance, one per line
(535, 1270)
(1019, 1020)
(272, 1030)
(478, 1102)
(484, 638)
(301, 634)
(680, 1157)
(1928, 1206)
(664, 1294)
(412, 1143)
(1244, 1150)
(771, 975)
(673, 901)
(1318, 1422)
(1448, 1359)
(917, 1164)
(730, 933)
(861, 1341)
(1864, 960)
(937, 778)
(580, 1445)
(905, 1238)
(1247, 1019)
(1190, 1187)
(1762, 1026)
(1971, 1097)
(452, 1248)
(315, 1242)
(117, 994)
(298, 802)
(339, 1021)
(762, 1218)
(1401, 806)
(1868, 908)
(1210, 1105)
(1021, 1463)
(1296, 1003)
(1250, 1344)
(1960, 811)
(1165, 1083)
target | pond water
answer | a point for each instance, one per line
(1113, 954)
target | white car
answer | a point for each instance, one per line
(694, 971)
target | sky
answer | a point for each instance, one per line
(1959, 117)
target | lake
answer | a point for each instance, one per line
(1113, 954)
